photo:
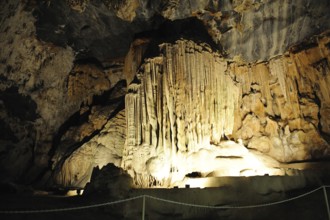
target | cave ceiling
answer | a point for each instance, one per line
(252, 30)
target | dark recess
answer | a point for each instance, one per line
(6, 133)
(18, 105)
(171, 31)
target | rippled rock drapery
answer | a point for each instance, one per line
(184, 99)
(181, 102)
(259, 30)
(188, 98)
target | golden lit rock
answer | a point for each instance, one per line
(105, 148)
(188, 99)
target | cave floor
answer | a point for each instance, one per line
(230, 199)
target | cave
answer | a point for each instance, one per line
(178, 109)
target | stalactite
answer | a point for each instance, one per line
(187, 99)
(186, 102)
(134, 58)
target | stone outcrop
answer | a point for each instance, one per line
(111, 181)
(283, 108)
(104, 148)
(86, 81)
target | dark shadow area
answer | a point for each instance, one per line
(6, 133)
(170, 31)
(18, 105)
(284, 202)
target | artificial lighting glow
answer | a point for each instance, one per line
(228, 159)
(76, 192)
(196, 182)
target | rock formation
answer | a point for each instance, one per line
(183, 102)
(207, 87)
(186, 100)
(284, 106)
(110, 180)
(105, 148)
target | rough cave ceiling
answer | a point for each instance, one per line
(160, 87)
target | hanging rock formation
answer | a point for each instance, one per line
(188, 99)
(183, 102)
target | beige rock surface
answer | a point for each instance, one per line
(104, 148)
(188, 99)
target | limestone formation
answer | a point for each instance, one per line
(85, 81)
(250, 29)
(32, 90)
(212, 88)
(260, 30)
(105, 148)
(185, 101)
(40, 89)
(125, 9)
(182, 102)
(78, 5)
(286, 98)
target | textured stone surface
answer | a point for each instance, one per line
(33, 78)
(263, 82)
(250, 30)
(104, 148)
(285, 99)
(188, 99)
(40, 89)
(259, 30)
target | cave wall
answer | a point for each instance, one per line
(246, 29)
(188, 99)
(42, 87)
(33, 87)
(289, 97)
(63, 67)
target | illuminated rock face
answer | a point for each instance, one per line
(284, 101)
(183, 102)
(186, 100)
(104, 148)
